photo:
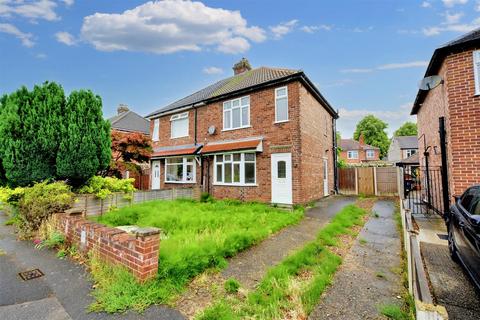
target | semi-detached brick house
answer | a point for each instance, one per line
(457, 100)
(353, 151)
(264, 134)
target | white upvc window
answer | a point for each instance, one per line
(410, 152)
(370, 154)
(180, 170)
(156, 130)
(179, 125)
(236, 113)
(281, 104)
(476, 70)
(235, 169)
(352, 154)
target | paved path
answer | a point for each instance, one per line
(450, 284)
(63, 293)
(357, 289)
(249, 266)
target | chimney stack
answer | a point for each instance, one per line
(241, 66)
(361, 139)
(122, 108)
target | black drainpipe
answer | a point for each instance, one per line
(195, 126)
(443, 148)
(335, 165)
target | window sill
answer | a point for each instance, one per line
(283, 121)
(187, 136)
(181, 182)
(246, 127)
(235, 185)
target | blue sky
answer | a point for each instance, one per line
(365, 56)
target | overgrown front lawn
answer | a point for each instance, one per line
(197, 236)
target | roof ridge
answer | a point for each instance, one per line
(119, 117)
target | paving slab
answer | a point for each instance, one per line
(249, 266)
(357, 289)
(43, 309)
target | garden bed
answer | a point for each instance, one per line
(196, 236)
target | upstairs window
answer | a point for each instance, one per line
(236, 113)
(410, 152)
(281, 104)
(156, 130)
(370, 154)
(352, 154)
(476, 69)
(179, 125)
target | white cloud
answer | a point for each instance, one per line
(212, 70)
(65, 38)
(41, 56)
(361, 30)
(477, 6)
(459, 27)
(34, 10)
(426, 4)
(25, 38)
(283, 28)
(452, 18)
(452, 3)
(388, 66)
(171, 26)
(350, 117)
(313, 29)
(68, 3)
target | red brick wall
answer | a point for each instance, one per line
(136, 252)
(277, 138)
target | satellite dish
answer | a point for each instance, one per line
(211, 130)
(429, 83)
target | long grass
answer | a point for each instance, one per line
(195, 236)
(298, 281)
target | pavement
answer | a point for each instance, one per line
(450, 284)
(250, 266)
(62, 293)
(367, 278)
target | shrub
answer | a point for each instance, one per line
(102, 187)
(55, 240)
(232, 285)
(40, 202)
(206, 197)
(11, 196)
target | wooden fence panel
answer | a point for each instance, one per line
(387, 184)
(346, 180)
(366, 181)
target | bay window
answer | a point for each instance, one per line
(236, 113)
(235, 169)
(180, 169)
(179, 125)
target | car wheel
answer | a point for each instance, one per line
(451, 244)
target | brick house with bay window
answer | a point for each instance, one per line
(456, 102)
(264, 134)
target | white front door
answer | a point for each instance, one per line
(156, 174)
(282, 178)
(325, 177)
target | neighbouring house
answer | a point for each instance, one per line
(127, 122)
(264, 134)
(455, 106)
(402, 147)
(353, 151)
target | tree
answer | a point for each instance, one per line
(374, 134)
(128, 150)
(85, 145)
(29, 135)
(407, 129)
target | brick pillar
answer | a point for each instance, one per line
(147, 243)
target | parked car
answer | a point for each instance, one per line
(463, 223)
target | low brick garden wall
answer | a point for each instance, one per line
(137, 249)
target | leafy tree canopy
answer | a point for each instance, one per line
(374, 134)
(128, 150)
(407, 129)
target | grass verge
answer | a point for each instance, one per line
(196, 236)
(291, 289)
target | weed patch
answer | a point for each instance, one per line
(232, 285)
(392, 311)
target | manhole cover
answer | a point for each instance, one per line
(31, 274)
(442, 236)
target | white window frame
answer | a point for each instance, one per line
(281, 97)
(242, 169)
(185, 161)
(476, 71)
(156, 130)
(370, 153)
(410, 152)
(350, 154)
(177, 117)
(240, 107)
